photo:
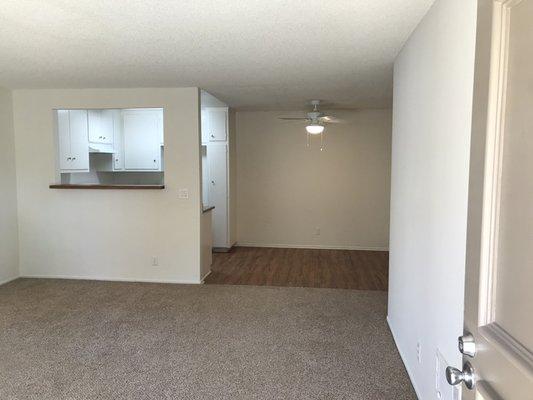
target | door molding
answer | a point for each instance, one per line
(495, 139)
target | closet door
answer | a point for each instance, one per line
(218, 193)
(141, 141)
(79, 142)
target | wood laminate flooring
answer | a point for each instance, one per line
(340, 269)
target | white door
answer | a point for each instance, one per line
(218, 124)
(141, 140)
(498, 355)
(101, 126)
(79, 144)
(218, 193)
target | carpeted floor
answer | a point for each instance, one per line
(63, 339)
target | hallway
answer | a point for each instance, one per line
(318, 268)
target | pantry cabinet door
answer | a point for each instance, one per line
(218, 193)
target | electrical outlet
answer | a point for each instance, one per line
(183, 193)
(419, 352)
(155, 261)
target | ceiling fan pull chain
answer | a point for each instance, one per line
(322, 141)
(308, 136)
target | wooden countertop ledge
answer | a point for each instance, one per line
(103, 187)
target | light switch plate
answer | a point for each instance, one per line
(183, 193)
(443, 390)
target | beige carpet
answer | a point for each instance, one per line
(65, 339)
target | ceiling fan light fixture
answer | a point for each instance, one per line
(314, 129)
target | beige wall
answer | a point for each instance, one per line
(232, 176)
(8, 192)
(108, 234)
(285, 191)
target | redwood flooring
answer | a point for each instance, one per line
(342, 269)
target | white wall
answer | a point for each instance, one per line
(286, 190)
(433, 89)
(108, 234)
(8, 192)
(206, 243)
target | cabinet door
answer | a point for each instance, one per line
(118, 143)
(79, 143)
(63, 135)
(218, 193)
(100, 126)
(160, 127)
(205, 125)
(218, 124)
(141, 141)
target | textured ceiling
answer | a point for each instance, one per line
(252, 54)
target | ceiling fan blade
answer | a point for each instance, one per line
(294, 119)
(331, 120)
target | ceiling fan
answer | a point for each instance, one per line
(316, 121)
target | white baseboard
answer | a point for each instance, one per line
(310, 246)
(113, 279)
(3, 282)
(403, 359)
(205, 276)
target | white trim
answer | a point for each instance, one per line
(8, 280)
(112, 279)
(411, 376)
(310, 246)
(205, 276)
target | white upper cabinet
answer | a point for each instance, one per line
(118, 142)
(142, 140)
(160, 127)
(214, 124)
(73, 140)
(63, 134)
(101, 126)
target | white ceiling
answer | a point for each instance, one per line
(252, 54)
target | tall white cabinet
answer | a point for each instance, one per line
(215, 174)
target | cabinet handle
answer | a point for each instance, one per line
(212, 182)
(213, 136)
(73, 158)
(155, 160)
(116, 159)
(69, 158)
